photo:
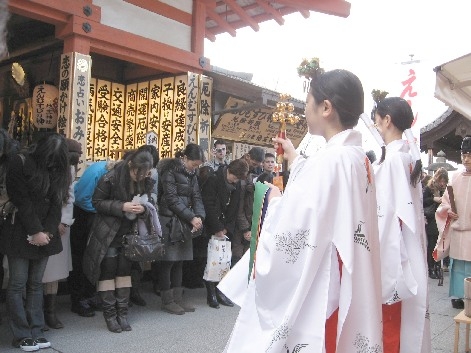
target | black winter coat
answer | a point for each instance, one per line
(36, 213)
(221, 202)
(108, 200)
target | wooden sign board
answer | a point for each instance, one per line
(254, 126)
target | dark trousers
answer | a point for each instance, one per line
(79, 286)
(170, 274)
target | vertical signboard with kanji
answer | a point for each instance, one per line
(166, 117)
(116, 119)
(130, 116)
(191, 133)
(179, 114)
(142, 113)
(153, 122)
(102, 121)
(80, 90)
(91, 120)
(64, 93)
(204, 127)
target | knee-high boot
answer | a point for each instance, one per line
(106, 291)
(211, 294)
(50, 312)
(123, 291)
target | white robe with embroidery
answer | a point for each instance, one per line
(327, 211)
(403, 246)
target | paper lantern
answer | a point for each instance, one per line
(45, 102)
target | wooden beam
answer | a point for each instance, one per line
(163, 9)
(243, 15)
(339, 8)
(133, 48)
(221, 22)
(305, 13)
(271, 10)
(53, 11)
(198, 28)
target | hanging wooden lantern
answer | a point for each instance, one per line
(45, 103)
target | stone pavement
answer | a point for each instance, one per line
(205, 330)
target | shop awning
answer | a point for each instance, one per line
(453, 84)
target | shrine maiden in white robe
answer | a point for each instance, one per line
(403, 246)
(327, 212)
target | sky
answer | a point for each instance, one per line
(374, 42)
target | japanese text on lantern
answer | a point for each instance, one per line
(141, 113)
(91, 120)
(102, 120)
(130, 116)
(179, 114)
(192, 108)
(204, 128)
(166, 117)
(153, 122)
(116, 118)
(64, 93)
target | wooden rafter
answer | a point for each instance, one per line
(243, 15)
(220, 21)
(271, 10)
(332, 7)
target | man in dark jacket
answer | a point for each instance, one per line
(221, 193)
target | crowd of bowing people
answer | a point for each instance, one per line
(76, 226)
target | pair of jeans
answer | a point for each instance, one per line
(26, 319)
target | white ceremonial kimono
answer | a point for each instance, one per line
(403, 246)
(327, 211)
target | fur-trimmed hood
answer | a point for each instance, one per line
(167, 164)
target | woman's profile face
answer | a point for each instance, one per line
(313, 114)
(191, 165)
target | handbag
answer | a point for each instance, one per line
(144, 242)
(219, 259)
(180, 230)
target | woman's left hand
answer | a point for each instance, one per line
(62, 228)
(133, 207)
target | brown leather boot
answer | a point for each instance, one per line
(109, 310)
(178, 296)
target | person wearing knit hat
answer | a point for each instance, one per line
(459, 230)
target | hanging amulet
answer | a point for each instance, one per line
(279, 150)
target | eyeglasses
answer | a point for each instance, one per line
(219, 150)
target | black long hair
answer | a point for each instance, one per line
(142, 162)
(344, 90)
(402, 117)
(52, 173)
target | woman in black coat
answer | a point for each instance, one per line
(432, 197)
(37, 183)
(104, 259)
(221, 195)
(179, 204)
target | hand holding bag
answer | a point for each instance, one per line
(219, 259)
(144, 243)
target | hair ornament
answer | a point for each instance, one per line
(310, 68)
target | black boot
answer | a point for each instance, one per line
(432, 274)
(211, 298)
(136, 297)
(122, 303)
(222, 299)
(109, 310)
(50, 312)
